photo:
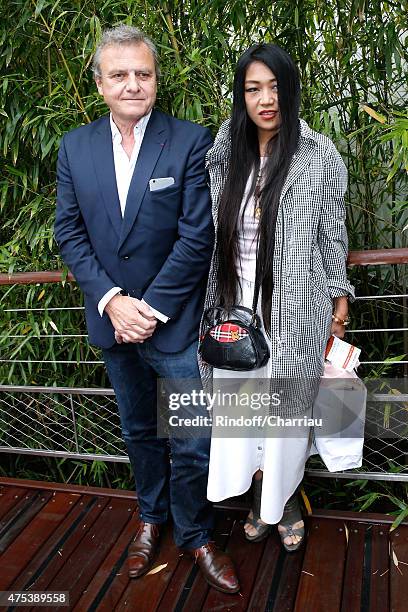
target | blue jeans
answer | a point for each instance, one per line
(179, 486)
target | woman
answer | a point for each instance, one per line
(277, 189)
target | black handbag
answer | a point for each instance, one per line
(234, 339)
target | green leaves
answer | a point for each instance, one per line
(348, 52)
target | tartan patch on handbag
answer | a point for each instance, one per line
(228, 332)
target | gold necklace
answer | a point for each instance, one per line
(257, 196)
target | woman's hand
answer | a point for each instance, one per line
(340, 312)
(338, 330)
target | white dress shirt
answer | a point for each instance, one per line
(124, 168)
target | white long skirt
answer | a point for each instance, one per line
(234, 460)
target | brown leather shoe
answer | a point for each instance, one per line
(217, 568)
(143, 549)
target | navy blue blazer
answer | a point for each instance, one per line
(161, 249)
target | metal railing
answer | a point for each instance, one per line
(61, 422)
(83, 423)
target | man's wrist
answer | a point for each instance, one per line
(104, 301)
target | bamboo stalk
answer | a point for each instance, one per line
(170, 25)
(49, 71)
(64, 61)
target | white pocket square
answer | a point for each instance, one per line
(156, 184)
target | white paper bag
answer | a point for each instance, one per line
(341, 406)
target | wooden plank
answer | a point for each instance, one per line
(19, 516)
(285, 581)
(355, 258)
(267, 570)
(378, 257)
(69, 488)
(35, 534)
(9, 497)
(93, 559)
(246, 557)
(53, 554)
(108, 584)
(184, 574)
(380, 563)
(399, 576)
(358, 517)
(241, 504)
(54, 566)
(196, 588)
(16, 505)
(30, 278)
(237, 503)
(92, 549)
(321, 576)
(68, 545)
(146, 592)
(353, 571)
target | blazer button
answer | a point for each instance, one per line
(126, 257)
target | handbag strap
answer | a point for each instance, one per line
(257, 196)
(256, 290)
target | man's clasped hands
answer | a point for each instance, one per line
(132, 319)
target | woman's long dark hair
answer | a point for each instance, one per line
(245, 158)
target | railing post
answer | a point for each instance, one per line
(71, 401)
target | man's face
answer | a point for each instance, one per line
(128, 81)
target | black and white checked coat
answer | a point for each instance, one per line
(310, 256)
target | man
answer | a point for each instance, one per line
(134, 226)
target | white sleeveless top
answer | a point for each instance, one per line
(247, 235)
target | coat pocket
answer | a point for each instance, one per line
(321, 294)
(322, 309)
(317, 273)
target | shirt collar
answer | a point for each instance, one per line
(139, 128)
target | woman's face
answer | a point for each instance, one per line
(261, 99)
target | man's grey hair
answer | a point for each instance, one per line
(123, 35)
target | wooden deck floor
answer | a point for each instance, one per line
(67, 538)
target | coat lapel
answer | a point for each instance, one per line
(150, 151)
(299, 163)
(102, 153)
